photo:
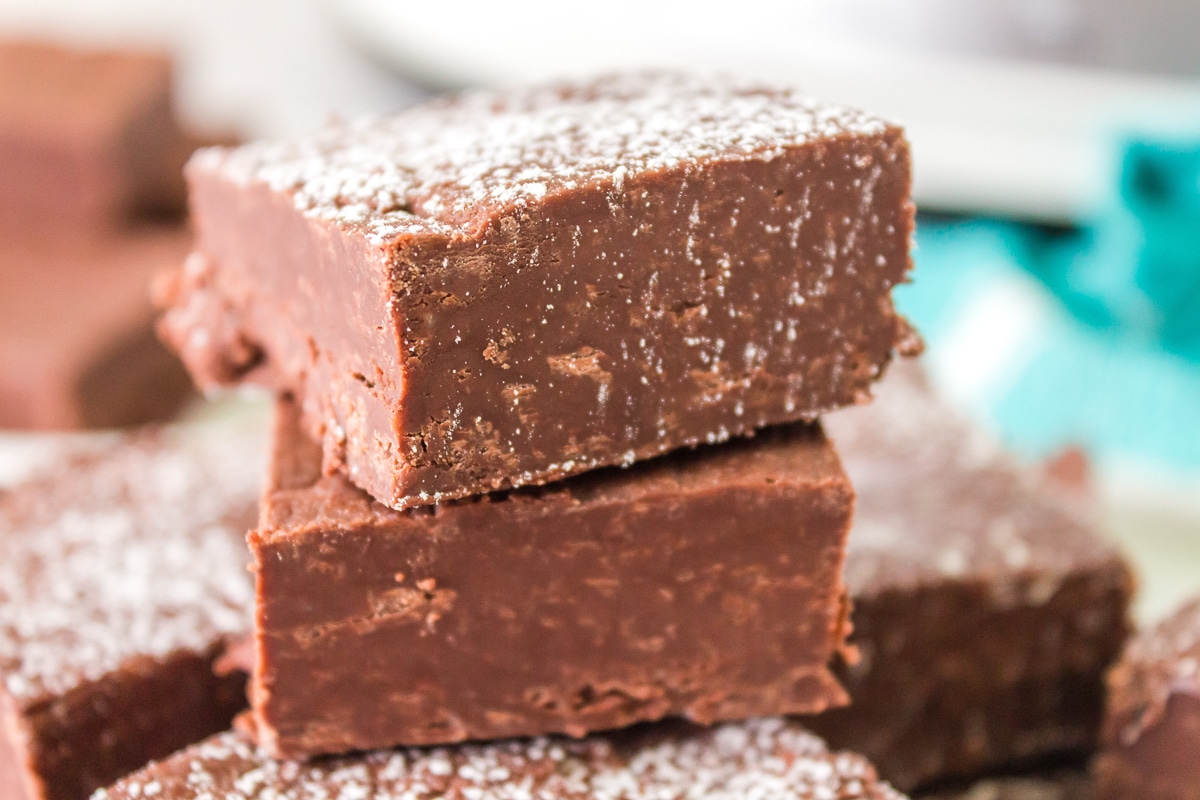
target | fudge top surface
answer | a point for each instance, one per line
(61, 92)
(761, 758)
(449, 166)
(300, 499)
(125, 550)
(939, 500)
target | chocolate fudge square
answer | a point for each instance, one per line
(986, 607)
(758, 759)
(705, 585)
(1151, 748)
(87, 137)
(77, 343)
(122, 577)
(503, 289)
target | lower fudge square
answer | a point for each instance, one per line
(122, 578)
(705, 585)
(768, 758)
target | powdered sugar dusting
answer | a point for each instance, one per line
(1158, 662)
(135, 550)
(768, 758)
(445, 166)
(939, 500)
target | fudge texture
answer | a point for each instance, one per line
(705, 585)
(122, 577)
(767, 758)
(507, 288)
(77, 343)
(1151, 748)
(986, 608)
(87, 137)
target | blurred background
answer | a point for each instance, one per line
(1057, 156)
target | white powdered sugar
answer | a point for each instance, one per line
(768, 758)
(939, 500)
(133, 551)
(439, 167)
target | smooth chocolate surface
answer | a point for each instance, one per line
(87, 137)
(705, 585)
(759, 759)
(1152, 730)
(986, 611)
(122, 576)
(77, 344)
(505, 289)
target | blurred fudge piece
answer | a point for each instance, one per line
(87, 137)
(1070, 783)
(1151, 747)
(704, 584)
(122, 577)
(77, 343)
(767, 758)
(986, 607)
(502, 289)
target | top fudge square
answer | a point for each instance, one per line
(505, 288)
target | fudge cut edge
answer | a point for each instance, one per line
(705, 586)
(448, 335)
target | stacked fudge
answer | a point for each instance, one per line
(91, 201)
(498, 326)
(545, 465)
(485, 319)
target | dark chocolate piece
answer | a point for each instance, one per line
(77, 344)
(705, 585)
(87, 137)
(986, 611)
(760, 759)
(506, 289)
(122, 577)
(1151, 747)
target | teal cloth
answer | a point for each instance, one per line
(1091, 370)
(1135, 267)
